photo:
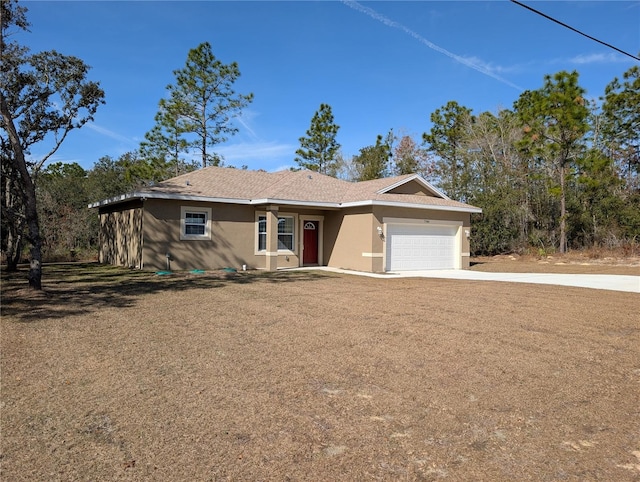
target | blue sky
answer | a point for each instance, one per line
(380, 65)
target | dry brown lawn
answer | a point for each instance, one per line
(119, 375)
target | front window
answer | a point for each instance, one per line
(194, 223)
(285, 233)
(286, 230)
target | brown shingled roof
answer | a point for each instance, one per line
(288, 186)
(220, 182)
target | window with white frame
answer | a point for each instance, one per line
(262, 233)
(195, 223)
(286, 233)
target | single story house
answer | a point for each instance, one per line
(223, 217)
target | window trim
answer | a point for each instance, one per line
(294, 233)
(184, 210)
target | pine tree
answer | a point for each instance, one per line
(555, 121)
(199, 111)
(318, 150)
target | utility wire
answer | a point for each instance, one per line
(575, 30)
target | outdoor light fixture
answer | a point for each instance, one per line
(467, 233)
(379, 230)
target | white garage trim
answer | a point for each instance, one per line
(421, 244)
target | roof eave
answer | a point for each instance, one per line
(115, 200)
(170, 196)
(294, 202)
(285, 202)
(432, 207)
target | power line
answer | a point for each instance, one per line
(574, 29)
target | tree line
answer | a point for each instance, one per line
(557, 171)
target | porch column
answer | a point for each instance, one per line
(272, 238)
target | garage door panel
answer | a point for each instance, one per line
(419, 247)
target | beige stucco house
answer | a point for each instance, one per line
(222, 217)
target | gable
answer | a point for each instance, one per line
(412, 187)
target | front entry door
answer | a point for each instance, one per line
(310, 240)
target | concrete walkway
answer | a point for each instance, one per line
(595, 281)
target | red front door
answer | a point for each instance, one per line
(310, 240)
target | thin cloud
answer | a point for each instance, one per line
(609, 58)
(473, 64)
(244, 119)
(491, 67)
(108, 133)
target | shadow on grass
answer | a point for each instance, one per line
(81, 288)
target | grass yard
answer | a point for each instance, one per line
(122, 375)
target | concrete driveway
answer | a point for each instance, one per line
(595, 281)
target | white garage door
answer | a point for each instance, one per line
(413, 247)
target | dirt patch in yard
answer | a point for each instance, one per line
(571, 263)
(118, 375)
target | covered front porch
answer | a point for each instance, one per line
(290, 239)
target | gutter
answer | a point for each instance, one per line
(285, 202)
(432, 207)
(157, 195)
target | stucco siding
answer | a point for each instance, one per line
(121, 237)
(233, 242)
(232, 233)
(350, 240)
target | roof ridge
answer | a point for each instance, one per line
(199, 170)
